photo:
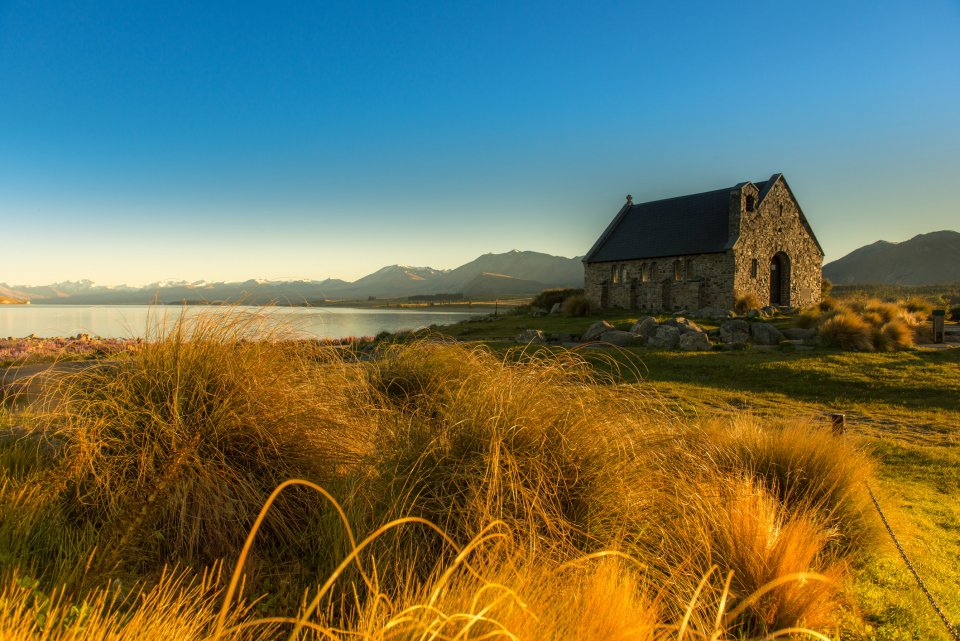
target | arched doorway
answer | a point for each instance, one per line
(780, 279)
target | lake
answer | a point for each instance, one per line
(132, 321)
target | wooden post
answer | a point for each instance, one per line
(939, 316)
(839, 422)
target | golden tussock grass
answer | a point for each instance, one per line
(865, 324)
(465, 495)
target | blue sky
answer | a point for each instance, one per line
(234, 140)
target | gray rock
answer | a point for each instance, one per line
(695, 342)
(683, 324)
(765, 334)
(753, 313)
(556, 309)
(645, 326)
(619, 338)
(735, 332)
(799, 333)
(593, 332)
(531, 337)
(666, 337)
(537, 312)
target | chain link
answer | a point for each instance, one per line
(952, 630)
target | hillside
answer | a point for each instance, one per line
(508, 274)
(926, 259)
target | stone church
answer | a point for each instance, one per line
(700, 252)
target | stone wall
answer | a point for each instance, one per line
(775, 228)
(705, 280)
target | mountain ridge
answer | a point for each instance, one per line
(926, 259)
(510, 273)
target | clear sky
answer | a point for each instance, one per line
(142, 141)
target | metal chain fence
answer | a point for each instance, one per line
(951, 629)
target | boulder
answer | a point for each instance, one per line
(531, 337)
(799, 333)
(666, 337)
(556, 309)
(619, 338)
(765, 334)
(695, 342)
(735, 332)
(683, 324)
(645, 326)
(538, 312)
(593, 332)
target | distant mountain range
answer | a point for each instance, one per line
(927, 259)
(491, 275)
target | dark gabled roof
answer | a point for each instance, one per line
(695, 224)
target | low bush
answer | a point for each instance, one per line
(863, 324)
(917, 305)
(550, 297)
(743, 303)
(187, 436)
(576, 305)
(847, 330)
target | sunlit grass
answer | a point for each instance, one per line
(448, 492)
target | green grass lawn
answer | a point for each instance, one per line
(904, 408)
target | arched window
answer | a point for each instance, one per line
(754, 268)
(677, 270)
(645, 272)
(614, 274)
(623, 273)
(751, 203)
(690, 273)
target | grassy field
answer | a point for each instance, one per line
(478, 491)
(902, 407)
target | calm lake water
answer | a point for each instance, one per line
(132, 321)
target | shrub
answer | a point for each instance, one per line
(846, 330)
(955, 314)
(186, 437)
(743, 303)
(480, 440)
(550, 297)
(918, 305)
(576, 305)
(894, 336)
(806, 468)
(827, 304)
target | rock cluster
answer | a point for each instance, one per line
(683, 334)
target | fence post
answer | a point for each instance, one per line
(839, 422)
(939, 316)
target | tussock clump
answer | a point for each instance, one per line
(177, 606)
(576, 305)
(918, 305)
(550, 297)
(863, 324)
(847, 330)
(806, 469)
(743, 303)
(186, 437)
(894, 336)
(532, 443)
